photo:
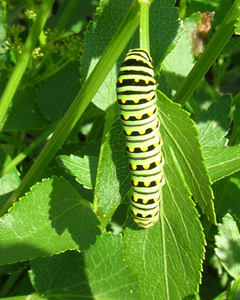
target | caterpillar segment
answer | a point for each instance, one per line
(136, 91)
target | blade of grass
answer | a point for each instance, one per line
(80, 103)
(210, 54)
(23, 60)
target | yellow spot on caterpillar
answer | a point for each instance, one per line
(155, 145)
(136, 79)
(157, 162)
(136, 100)
(144, 149)
(145, 201)
(120, 81)
(126, 117)
(154, 127)
(128, 132)
(134, 167)
(142, 131)
(135, 183)
(146, 184)
(135, 199)
(155, 200)
(157, 181)
(146, 167)
(135, 213)
(150, 113)
(144, 216)
(139, 117)
(149, 98)
(131, 149)
(123, 101)
(147, 81)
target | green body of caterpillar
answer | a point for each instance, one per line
(136, 91)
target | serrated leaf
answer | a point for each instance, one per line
(164, 25)
(84, 169)
(230, 203)
(25, 113)
(214, 123)
(228, 246)
(98, 273)
(180, 139)
(169, 255)
(113, 181)
(174, 71)
(57, 93)
(8, 182)
(222, 161)
(50, 219)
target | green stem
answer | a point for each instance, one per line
(210, 54)
(8, 285)
(23, 60)
(81, 102)
(10, 140)
(28, 150)
(144, 24)
(182, 8)
(72, 5)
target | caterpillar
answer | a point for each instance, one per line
(136, 94)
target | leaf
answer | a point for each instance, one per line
(164, 25)
(77, 19)
(25, 113)
(174, 71)
(57, 93)
(230, 202)
(50, 219)
(228, 246)
(113, 181)
(222, 161)
(169, 255)
(84, 169)
(98, 273)
(180, 141)
(221, 7)
(213, 124)
(8, 182)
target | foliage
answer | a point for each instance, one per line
(65, 229)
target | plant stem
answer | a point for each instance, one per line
(28, 150)
(80, 103)
(182, 8)
(210, 54)
(144, 25)
(23, 60)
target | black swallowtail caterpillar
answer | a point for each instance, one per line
(136, 91)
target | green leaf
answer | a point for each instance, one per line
(169, 255)
(230, 203)
(98, 273)
(180, 140)
(25, 113)
(221, 7)
(9, 181)
(222, 161)
(113, 181)
(164, 25)
(50, 219)
(56, 94)
(214, 123)
(228, 246)
(176, 72)
(84, 169)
